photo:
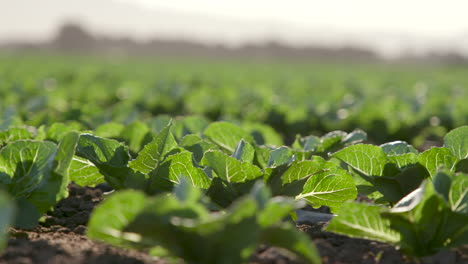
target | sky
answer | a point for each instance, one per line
(438, 18)
(389, 27)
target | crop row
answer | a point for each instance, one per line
(388, 103)
(229, 187)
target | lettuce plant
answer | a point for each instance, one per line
(179, 225)
(391, 171)
(434, 217)
(7, 212)
(35, 174)
(225, 161)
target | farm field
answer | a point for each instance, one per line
(156, 161)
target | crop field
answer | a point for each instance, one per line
(176, 161)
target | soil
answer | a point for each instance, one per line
(61, 239)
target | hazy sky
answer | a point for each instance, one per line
(428, 17)
(386, 26)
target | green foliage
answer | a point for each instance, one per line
(387, 172)
(225, 173)
(230, 169)
(429, 219)
(152, 154)
(216, 169)
(226, 135)
(84, 173)
(329, 185)
(35, 174)
(14, 134)
(457, 142)
(363, 221)
(111, 158)
(123, 111)
(330, 142)
(175, 224)
(7, 214)
(177, 166)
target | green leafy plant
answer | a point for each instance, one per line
(35, 174)
(224, 163)
(13, 134)
(7, 214)
(389, 172)
(453, 155)
(180, 225)
(330, 142)
(431, 218)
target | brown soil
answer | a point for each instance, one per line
(61, 239)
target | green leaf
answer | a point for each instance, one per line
(135, 135)
(331, 141)
(355, 137)
(411, 178)
(434, 158)
(457, 142)
(226, 135)
(287, 237)
(35, 173)
(186, 192)
(367, 159)
(84, 173)
(404, 160)
(303, 169)
(54, 188)
(65, 153)
(244, 152)
(263, 134)
(426, 223)
(109, 130)
(153, 153)
(262, 155)
(14, 134)
(7, 214)
(275, 210)
(363, 221)
(27, 215)
(280, 156)
(111, 216)
(24, 164)
(179, 228)
(58, 130)
(181, 165)
(103, 151)
(195, 124)
(442, 181)
(224, 194)
(458, 194)
(330, 186)
(309, 143)
(398, 148)
(197, 146)
(111, 158)
(400, 153)
(229, 168)
(261, 194)
(158, 123)
(174, 224)
(462, 166)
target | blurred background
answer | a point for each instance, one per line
(346, 29)
(396, 69)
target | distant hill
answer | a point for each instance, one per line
(114, 27)
(73, 38)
